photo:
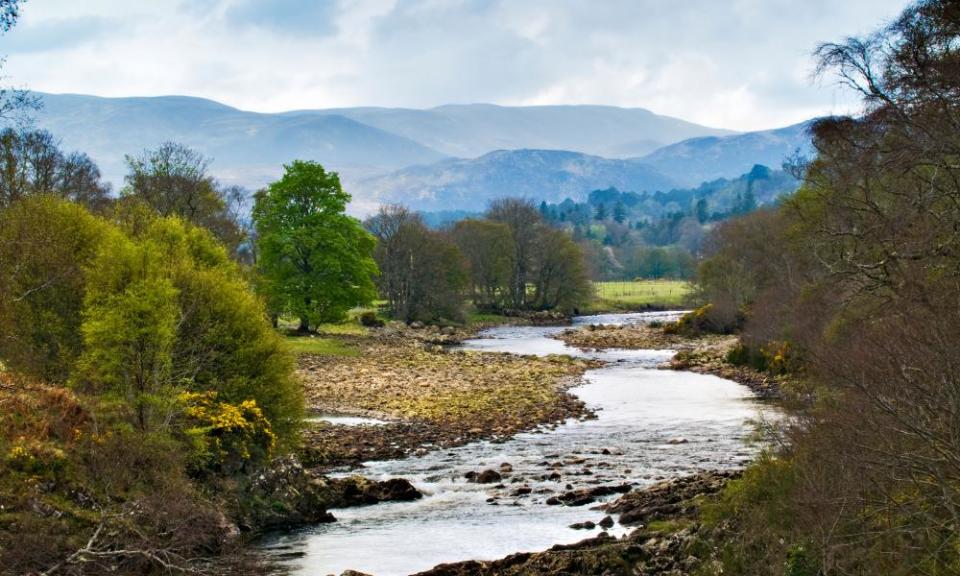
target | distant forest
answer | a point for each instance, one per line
(652, 235)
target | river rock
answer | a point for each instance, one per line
(588, 525)
(357, 490)
(485, 477)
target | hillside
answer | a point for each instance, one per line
(703, 159)
(454, 157)
(471, 130)
(550, 175)
(248, 148)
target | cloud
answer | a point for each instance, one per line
(316, 18)
(56, 34)
(743, 64)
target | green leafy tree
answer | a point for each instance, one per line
(600, 213)
(46, 243)
(561, 279)
(316, 262)
(167, 311)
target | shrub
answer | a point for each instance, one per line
(370, 319)
(45, 245)
(225, 437)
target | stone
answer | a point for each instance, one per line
(486, 477)
(588, 525)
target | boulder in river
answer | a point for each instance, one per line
(588, 525)
(485, 477)
(358, 490)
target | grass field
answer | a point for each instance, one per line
(319, 345)
(627, 294)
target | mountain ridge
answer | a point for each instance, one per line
(386, 153)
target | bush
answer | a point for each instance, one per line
(45, 245)
(703, 320)
(225, 437)
(775, 358)
(370, 319)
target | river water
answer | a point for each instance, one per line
(651, 424)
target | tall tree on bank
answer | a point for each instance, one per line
(489, 250)
(525, 222)
(423, 274)
(316, 262)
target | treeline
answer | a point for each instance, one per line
(511, 260)
(851, 288)
(660, 234)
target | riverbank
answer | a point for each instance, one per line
(431, 397)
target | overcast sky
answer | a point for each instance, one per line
(738, 64)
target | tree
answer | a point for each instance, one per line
(489, 250)
(562, 280)
(702, 210)
(600, 213)
(46, 244)
(525, 222)
(422, 274)
(32, 163)
(619, 213)
(173, 180)
(316, 262)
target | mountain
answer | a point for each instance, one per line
(454, 157)
(703, 159)
(551, 175)
(248, 148)
(471, 130)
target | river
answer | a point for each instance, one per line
(651, 424)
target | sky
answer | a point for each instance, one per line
(736, 64)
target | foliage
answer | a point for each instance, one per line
(173, 180)
(422, 274)
(68, 475)
(489, 250)
(225, 437)
(561, 281)
(855, 278)
(316, 262)
(703, 320)
(672, 262)
(46, 244)
(543, 257)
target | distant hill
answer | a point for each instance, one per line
(703, 159)
(454, 157)
(471, 130)
(550, 175)
(248, 148)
